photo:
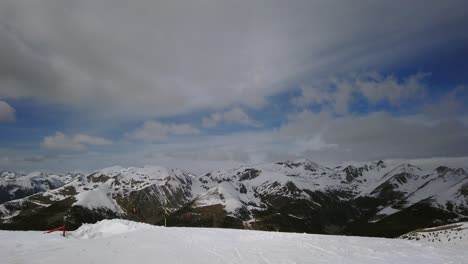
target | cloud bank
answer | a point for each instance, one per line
(209, 83)
(162, 58)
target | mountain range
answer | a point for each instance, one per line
(16, 185)
(369, 199)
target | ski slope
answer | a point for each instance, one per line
(120, 241)
(447, 234)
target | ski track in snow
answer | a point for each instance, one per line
(120, 241)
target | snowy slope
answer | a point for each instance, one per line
(291, 178)
(15, 185)
(398, 186)
(453, 234)
(113, 190)
(243, 186)
(442, 187)
(101, 188)
(117, 241)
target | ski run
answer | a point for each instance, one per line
(123, 242)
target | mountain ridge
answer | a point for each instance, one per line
(299, 195)
(18, 185)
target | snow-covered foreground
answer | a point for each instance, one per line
(119, 241)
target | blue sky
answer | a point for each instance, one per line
(90, 85)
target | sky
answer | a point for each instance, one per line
(206, 84)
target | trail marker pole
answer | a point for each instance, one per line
(165, 212)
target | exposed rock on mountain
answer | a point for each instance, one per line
(14, 186)
(375, 199)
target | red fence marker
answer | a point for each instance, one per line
(62, 228)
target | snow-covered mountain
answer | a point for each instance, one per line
(376, 198)
(305, 196)
(110, 192)
(14, 185)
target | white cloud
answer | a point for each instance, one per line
(311, 95)
(322, 137)
(89, 140)
(7, 113)
(314, 143)
(376, 87)
(154, 131)
(151, 59)
(450, 105)
(78, 142)
(233, 116)
(338, 93)
(379, 135)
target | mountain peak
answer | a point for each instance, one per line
(304, 163)
(379, 163)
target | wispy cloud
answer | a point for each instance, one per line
(77, 142)
(338, 94)
(233, 116)
(154, 131)
(450, 105)
(7, 113)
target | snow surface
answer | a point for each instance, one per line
(388, 211)
(224, 194)
(118, 241)
(108, 228)
(447, 234)
(98, 198)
